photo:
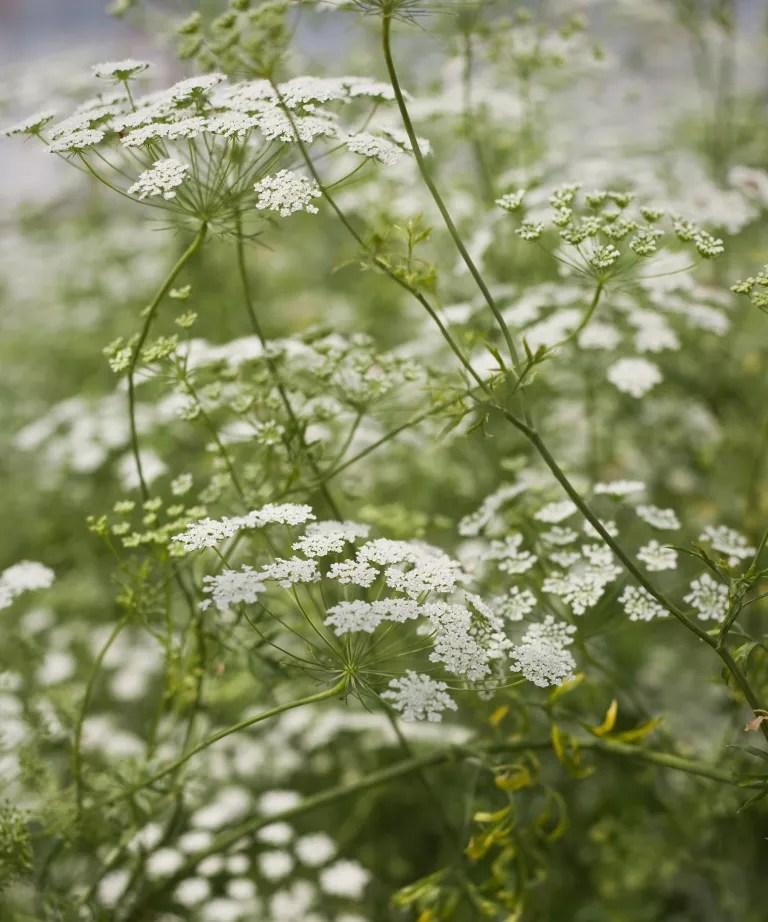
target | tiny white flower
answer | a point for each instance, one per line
(419, 697)
(556, 512)
(640, 605)
(663, 519)
(634, 376)
(275, 865)
(708, 597)
(163, 179)
(120, 71)
(315, 849)
(656, 557)
(345, 879)
(542, 656)
(287, 192)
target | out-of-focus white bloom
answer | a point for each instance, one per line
(656, 557)
(729, 542)
(241, 889)
(230, 587)
(559, 535)
(72, 141)
(164, 862)
(275, 865)
(229, 805)
(708, 597)
(120, 70)
(753, 183)
(620, 487)
(57, 666)
(195, 841)
(663, 519)
(344, 878)
(221, 910)
(419, 697)
(477, 521)
(192, 891)
(277, 801)
(112, 886)
(23, 577)
(275, 834)
(163, 179)
(542, 656)
(315, 849)
(32, 124)
(634, 376)
(374, 147)
(287, 192)
(579, 591)
(556, 512)
(640, 605)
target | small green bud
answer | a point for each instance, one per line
(190, 26)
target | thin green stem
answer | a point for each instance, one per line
(630, 566)
(272, 368)
(77, 741)
(337, 689)
(150, 313)
(435, 192)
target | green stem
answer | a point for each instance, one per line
(272, 368)
(434, 191)
(629, 565)
(379, 263)
(337, 689)
(77, 742)
(150, 313)
(417, 764)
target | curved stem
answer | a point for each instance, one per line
(435, 192)
(337, 689)
(629, 565)
(272, 368)
(417, 764)
(77, 755)
(150, 313)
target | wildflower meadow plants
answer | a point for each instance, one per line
(389, 530)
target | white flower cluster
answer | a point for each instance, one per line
(328, 537)
(477, 521)
(729, 542)
(634, 376)
(619, 487)
(556, 512)
(286, 193)
(419, 697)
(374, 147)
(640, 605)
(163, 179)
(708, 597)
(120, 71)
(210, 532)
(23, 577)
(663, 519)
(542, 655)
(656, 557)
(585, 583)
